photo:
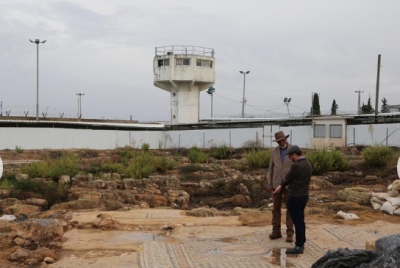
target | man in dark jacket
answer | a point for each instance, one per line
(298, 182)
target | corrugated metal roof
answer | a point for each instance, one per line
(136, 125)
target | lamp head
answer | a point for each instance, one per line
(240, 72)
(247, 72)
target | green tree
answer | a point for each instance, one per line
(316, 110)
(334, 108)
(385, 106)
(367, 109)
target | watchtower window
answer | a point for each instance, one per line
(182, 62)
(164, 62)
(204, 63)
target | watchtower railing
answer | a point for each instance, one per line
(185, 50)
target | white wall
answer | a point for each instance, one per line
(374, 134)
(57, 138)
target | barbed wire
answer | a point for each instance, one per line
(45, 111)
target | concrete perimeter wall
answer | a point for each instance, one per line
(57, 138)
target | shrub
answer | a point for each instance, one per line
(377, 156)
(193, 168)
(145, 147)
(141, 166)
(112, 167)
(19, 149)
(220, 152)
(126, 154)
(67, 164)
(163, 164)
(324, 161)
(7, 180)
(197, 156)
(258, 159)
(50, 191)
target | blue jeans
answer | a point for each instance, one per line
(296, 206)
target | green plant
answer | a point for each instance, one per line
(220, 152)
(67, 164)
(163, 164)
(50, 191)
(377, 156)
(19, 149)
(258, 158)
(193, 168)
(324, 161)
(339, 162)
(7, 180)
(145, 147)
(141, 166)
(197, 156)
(110, 167)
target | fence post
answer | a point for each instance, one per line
(354, 136)
(387, 136)
(291, 136)
(230, 138)
(204, 140)
(179, 141)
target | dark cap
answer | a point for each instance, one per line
(294, 150)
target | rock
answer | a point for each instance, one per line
(98, 184)
(320, 182)
(8, 218)
(115, 176)
(42, 203)
(46, 253)
(202, 212)
(370, 245)
(355, 163)
(78, 204)
(31, 261)
(357, 195)
(128, 197)
(106, 177)
(158, 201)
(358, 173)
(387, 253)
(19, 255)
(129, 183)
(21, 177)
(344, 257)
(82, 180)
(106, 222)
(144, 205)
(21, 209)
(243, 189)
(8, 202)
(234, 201)
(112, 185)
(49, 260)
(22, 242)
(64, 179)
(370, 178)
(42, 231)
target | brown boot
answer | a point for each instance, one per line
(289, 238)
(275, 235)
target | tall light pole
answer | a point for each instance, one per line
(287, 102)
(359, 99)
(37, 42)
(80, 104)
(244, 90)
(211, 91)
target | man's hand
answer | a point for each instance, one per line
(278, 189)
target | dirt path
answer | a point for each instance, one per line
(203, 242)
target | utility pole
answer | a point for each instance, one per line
(37, 42)
(80, 104)
(377, 85)
(211, 91)
(359, 100)
(287, 102)
(244, 90)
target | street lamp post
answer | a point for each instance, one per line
(80, 104)
(287, 102)
(211, 91)
(359, 94)
(37, 42)
(244, 90)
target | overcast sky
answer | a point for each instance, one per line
(105, 49)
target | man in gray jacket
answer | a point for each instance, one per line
(279, 166)
(298, 181)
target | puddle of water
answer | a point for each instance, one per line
(228, 240)
(138, 238)
(277, 256)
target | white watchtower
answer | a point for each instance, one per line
(184, 71)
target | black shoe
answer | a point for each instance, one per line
(295, 250)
